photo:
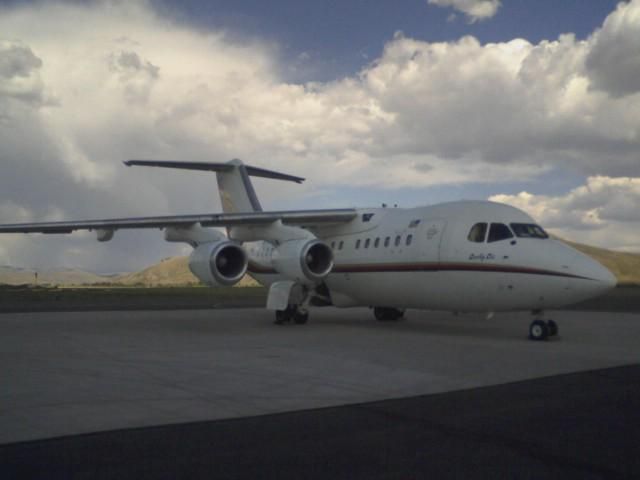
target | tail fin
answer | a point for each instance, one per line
(235, 187)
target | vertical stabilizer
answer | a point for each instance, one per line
(236, 190)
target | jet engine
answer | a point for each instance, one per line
(221, 263)
(306, 261)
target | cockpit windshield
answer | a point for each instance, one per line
(499, 231)
(478, 233)
(528, 230)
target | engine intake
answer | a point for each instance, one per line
(304, 260)
(219, 263)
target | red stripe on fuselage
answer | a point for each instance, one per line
(428, 267)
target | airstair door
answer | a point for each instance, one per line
(431, 238)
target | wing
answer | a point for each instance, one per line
(306, 218)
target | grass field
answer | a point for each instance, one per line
(41, 299)
(14, 299)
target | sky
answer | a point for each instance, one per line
(535, 104)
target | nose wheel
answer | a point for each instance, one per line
(542, 329)
(292, 314)
(387, 314)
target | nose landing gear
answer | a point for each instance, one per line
(293, 313)
(542, 329)
(387, 314)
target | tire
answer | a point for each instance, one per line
(380, 313)
(552, 327)
(281, 317)
(301, 318)
(538, 330)
(387, 314)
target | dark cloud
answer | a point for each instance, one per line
(422, 167)
(17, 60)
(19, 75)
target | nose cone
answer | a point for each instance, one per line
(607, 278)
(585, 278)
(603, 276)
(601, 279)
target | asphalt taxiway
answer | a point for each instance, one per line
(227, 394)
(581, 425)
(80, 372)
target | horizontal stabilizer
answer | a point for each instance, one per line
(215, 167)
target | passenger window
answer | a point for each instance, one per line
(333, 245)
(409, 239)
(477, 233)
(340, 245)
(397, 242)
(377, 242)
(357, 244)
(499, 231)
(366, 243)
(387, 240)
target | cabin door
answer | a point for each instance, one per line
(430, 240)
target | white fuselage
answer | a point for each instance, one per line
(423, 258)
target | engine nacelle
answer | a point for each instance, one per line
(306, 261)
(219, 263)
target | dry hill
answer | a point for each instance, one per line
(170, 271)
(625, 266)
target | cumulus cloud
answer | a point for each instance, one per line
(106, 101)
(99, 83)
(19, 73)
(136, 74)
(505, 103)
(613, 62)
(603, 211)
(474, 9)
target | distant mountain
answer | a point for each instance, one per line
(175, 271)
(20, 276)
(170, 271)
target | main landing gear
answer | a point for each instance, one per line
(542, 329)
(293, 313)
(387, 314)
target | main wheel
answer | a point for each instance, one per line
(282, 316)
(552, 327)
(538, 330)
(387, 314)
(380, 313)
(301, 317)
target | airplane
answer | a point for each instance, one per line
(462, 256)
